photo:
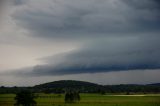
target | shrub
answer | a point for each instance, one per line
(25, 98)
(72, 96)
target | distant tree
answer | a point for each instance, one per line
(127, 93)
(2, 87)
(72, 96)
(102, 92)
(47, 91)
(25, 98)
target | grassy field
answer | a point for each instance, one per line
(89, 100)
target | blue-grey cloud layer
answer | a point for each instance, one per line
(75, 18)
(105, 56)
(122, 34)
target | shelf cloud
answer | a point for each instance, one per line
(104, 56)
(68, 37)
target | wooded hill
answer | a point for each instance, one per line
(85, 87)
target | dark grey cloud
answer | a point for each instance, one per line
(75, 18)
(19, 2)
(2, 7)
(115, 40)
(104, 56)
(2, 2)
(118, 34)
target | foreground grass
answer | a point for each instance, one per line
(89, 100)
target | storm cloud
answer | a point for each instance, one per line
(78, 19)
(74, 37)
(104, 56)
(114, 35)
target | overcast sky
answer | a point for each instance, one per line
(102, 41)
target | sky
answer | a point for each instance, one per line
(101, 41)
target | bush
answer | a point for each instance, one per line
(25, 98)
(72, 96)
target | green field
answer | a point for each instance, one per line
(89, 100)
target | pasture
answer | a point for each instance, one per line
(89, 100)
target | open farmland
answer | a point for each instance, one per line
(89, 100)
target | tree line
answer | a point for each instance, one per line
(83, 87)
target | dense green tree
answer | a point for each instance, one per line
(72, 96)
(25, 98)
